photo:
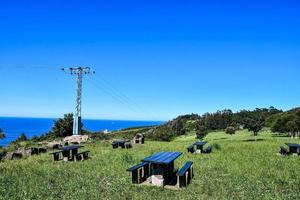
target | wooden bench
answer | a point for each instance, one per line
(185, 174)
(81, 156)
(56, 155)
(283, 151)
(114, 145)
(42, 150)
(191, 149)
(128, 145)
(208, 149)
(140, 172)
(122, 145)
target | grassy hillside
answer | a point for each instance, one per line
(240, 169)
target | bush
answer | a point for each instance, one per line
(201, 132)
(22, 138)
(230, 130)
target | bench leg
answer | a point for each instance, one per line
(56, 157)
(85, 156)
(178, 183)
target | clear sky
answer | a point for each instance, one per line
(153, 59)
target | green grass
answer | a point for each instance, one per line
(240, 169)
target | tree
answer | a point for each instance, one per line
(201, 131)
(22, 138)
(255, 125)
(63, 127)
(230, 130)
(2, 135)
(288, 122)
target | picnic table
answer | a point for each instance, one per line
(121, 143)
(199, 145)
(158, 169)
(293, 148)
(70, 153)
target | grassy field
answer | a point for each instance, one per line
(238, 168)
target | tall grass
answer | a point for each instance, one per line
(240, 168)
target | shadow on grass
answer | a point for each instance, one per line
(223, 138)
(253, 140)
(279, 136)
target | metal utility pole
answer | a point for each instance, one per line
(79, 72)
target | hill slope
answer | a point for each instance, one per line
(240, 169)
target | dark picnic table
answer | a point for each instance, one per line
(119, 143)
(69, 151)
(161, 166)
(293, 147)
(199, 145)
(162, 163)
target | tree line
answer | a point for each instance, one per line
(253, 120)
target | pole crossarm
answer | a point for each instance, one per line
(79, 72)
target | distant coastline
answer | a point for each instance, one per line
(31, 126)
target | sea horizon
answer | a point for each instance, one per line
(34, 126)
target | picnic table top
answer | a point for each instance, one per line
(162, 157)
(200, 143)
(293, 145)
(120, 141)
(69, 148)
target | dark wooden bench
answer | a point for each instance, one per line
(81, 156)
(42, 150)
(283, 151)
(128, 146)
(191, 149)
(185, 174)
(56, 155)
(208, 149)
(115, 145)
(140, 172)
(122, 145)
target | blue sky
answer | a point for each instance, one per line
(154, 60)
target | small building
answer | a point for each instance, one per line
(139, 139)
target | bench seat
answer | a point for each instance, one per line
(184, 169)
(137, 166)
(81, 156)
(115, 145)
(56, 155)
(185, 174)
(191, 149)
(128, 146)
(283, 151)
(139, 172)
(208, 149)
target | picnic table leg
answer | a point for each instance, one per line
(66, 155)
(56, 157)
(74, 151)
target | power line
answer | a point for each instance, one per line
(106, 86)
(115, 96)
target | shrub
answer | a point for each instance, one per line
(230, 130)
(201, 132)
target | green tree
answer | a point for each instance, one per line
(201, 132)
(63, 127)
(255, 125)
(230, 130)
(22, 138)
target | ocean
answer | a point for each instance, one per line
(13, 126)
